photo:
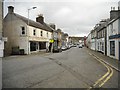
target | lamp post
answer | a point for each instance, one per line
(29, 11)
(28, 27)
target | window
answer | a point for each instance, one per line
(102, 46)
(34, 32)
(47, 34)
(112, 48)
(102, 33)
(41, 33)
(23, 30)
(98, 46)
(111, 28)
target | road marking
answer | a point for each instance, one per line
(107, 78)
(100, 82)
(110, 65)
(102, 78)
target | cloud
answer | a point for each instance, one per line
(65, 11)
(75, 17)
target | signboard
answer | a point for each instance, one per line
(5, 39)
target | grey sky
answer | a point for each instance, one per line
(75, 17)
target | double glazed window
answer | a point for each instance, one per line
(112, 48)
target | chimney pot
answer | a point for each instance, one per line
(10, 9)
(40, 19)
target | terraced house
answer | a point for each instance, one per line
(107, 35)
(24, 38)
(102, 36)
(93, 39)
(113, 34)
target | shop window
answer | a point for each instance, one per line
(112, 48)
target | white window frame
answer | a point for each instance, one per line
(34, 32)
(23, 30)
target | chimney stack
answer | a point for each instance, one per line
(40, 19)
(10, 9)
(52, 25)
(114, 13)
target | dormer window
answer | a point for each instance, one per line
(23, 30)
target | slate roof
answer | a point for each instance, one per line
(43, 26)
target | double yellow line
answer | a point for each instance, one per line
(100, 82)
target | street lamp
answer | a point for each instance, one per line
(29, 11)
(28, 27)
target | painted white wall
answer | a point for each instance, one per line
(93, 44)
(88, 40)
(109, 33)
(1, 48)
(102, 41)
(38, 33)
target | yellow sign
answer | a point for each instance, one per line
(51, 41)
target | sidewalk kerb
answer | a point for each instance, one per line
(107, 63)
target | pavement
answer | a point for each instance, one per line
(112, 62)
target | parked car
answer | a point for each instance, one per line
(57, 49)
(80, 46)
(64, 48)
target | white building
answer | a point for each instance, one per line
(101, 42)
(93, 39)
(113, 34)
(88, 40)
(113, 38)
(23, 36)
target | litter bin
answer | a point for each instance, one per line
(22, 52)
(15, 50)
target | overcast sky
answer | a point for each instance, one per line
(75, 17)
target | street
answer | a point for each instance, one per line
(73, 68)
